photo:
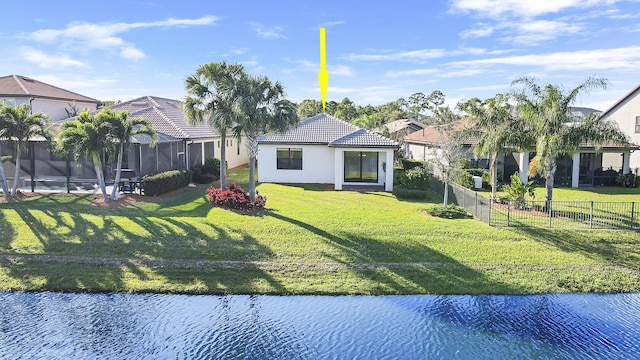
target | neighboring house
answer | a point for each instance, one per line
(626, 113)
(584, 168)
(398, 129)
(326, 150)
(180, 146)
(193, 144)
(16, 90)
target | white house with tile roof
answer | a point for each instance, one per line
(325, 150)
(16, 90)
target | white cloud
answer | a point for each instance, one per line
(239, 51)
(522, 8)
(340, 70)
(415, 72)
(275, 32)
(49, 61)
(483, 30)
(82, 35)
(130, 52)
(627, 58)
(415, 55)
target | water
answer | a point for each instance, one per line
(98, 326)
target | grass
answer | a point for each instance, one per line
(310, 241)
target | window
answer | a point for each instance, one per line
(218, 144)
(289, 158)
(8, 101)
(637, 124)
(360, 166)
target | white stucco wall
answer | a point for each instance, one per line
(317, 165)
(625, 115)
(56, 108)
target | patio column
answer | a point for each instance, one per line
(388, 181)
(575, 171)
(625, 162)
(523, 166)
(338, 169)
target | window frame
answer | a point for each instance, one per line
(290, 162)
(361, 179)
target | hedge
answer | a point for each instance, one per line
(408, 164)
(166, 181)
(404, 193)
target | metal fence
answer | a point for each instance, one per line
(555, 214)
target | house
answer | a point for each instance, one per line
(16, 90)
(180, 145)
(398, 129)
(326, 150)
(192, 144)
(585, 168)
(626, 113)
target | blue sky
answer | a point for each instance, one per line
(376, 51)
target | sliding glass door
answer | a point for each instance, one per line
(360, 166)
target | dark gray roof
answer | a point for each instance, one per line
(167, 117)
(325, 129)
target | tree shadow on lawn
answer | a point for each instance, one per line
(160, 262)
(588, 244)
(398, 266)
(7, 232)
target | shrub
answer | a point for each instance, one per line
(408, 164)
(404, 193)
(166, 181)
(234, 197)
(211, 166)
(625, 180)
(416, 178)
(517, 190)
(465, 179)
(451, 212)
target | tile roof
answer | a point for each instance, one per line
(324, 129)
(167, 117)
(18, 85)
(399, 125)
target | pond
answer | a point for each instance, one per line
(118, 326)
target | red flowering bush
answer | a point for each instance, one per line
(234, 197)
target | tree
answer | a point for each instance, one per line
(446, 158)
(122, 129)
(87, 136)
(346, 110)
(495, 129)
(546, 109)
(210, 100)
(308, 108)
(3, 178)
(262, 108)
(20, 125)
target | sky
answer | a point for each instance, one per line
(377, 51)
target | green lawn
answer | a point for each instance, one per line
(310, 241)
(603, 194)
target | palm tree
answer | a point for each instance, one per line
(546, 109)
(122, 130)
(88, 136)
(20, 125)
(262, 108)
(3, 129)
(210, 101)
(495, 129)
